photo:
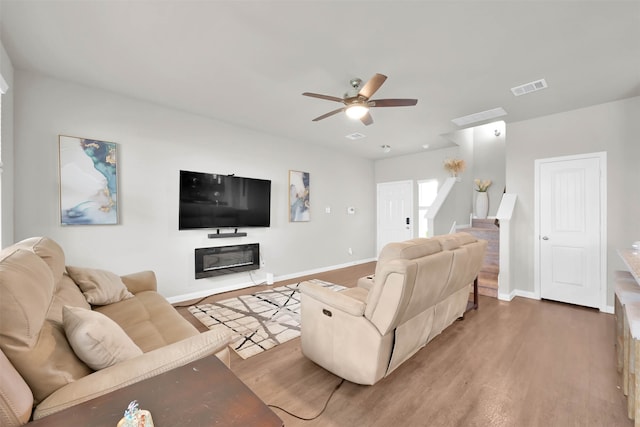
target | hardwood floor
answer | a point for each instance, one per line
(518, 363)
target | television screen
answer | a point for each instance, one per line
(215, 201)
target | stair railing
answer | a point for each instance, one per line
(442, 210)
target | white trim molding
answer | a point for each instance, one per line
(4, 87)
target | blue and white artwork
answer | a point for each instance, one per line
(299, 196)
(88, 181)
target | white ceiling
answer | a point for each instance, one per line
(248, 62)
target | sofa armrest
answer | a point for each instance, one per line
(141, 281)
(16, 399)
(134, 370)
(334, 299)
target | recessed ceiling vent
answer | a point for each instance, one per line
(354, 136)
(529, 87)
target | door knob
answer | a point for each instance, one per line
(545, 238)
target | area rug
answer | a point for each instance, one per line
(259, 321)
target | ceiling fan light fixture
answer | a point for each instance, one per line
(356, 111)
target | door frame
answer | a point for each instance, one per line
(602, 157)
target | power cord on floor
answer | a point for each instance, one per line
(316, 416)
(191, 303)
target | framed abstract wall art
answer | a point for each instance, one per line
(299, 196)
(88, 181)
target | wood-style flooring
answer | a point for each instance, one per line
(519, 363)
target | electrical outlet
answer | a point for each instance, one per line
(350, 251)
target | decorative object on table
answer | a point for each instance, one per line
(482, 200)
(135, 417)
(259, 321)
(455, 166)
(298, 196)
(88, 181)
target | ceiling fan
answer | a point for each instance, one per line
(358, 101)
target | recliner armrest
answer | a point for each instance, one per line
(337, 300)
(366, 282)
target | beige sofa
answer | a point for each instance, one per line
(70, 334)
(420, 287)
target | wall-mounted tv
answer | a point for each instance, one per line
(215, 201)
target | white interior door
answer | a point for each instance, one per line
(570, 213)
(395, 212)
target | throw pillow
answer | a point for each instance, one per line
(99, 287)
(97, 340)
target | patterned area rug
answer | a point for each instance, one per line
(261, 320)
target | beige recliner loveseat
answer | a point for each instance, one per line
(69, 334)
(420, 287)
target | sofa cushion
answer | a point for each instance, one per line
(49, 251)
(96, 339)
(100, 287)
(36, 347)
(149, 320)
(66, 293)
(410, 249)
(26, 286)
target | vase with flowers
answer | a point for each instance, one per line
(482, 200)
(454, 166)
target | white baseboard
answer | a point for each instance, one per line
(517, 293)
(531, 295)
(607, 309)
(237, 286)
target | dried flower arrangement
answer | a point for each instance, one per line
(454, 166)
(481, 185)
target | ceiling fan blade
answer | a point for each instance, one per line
(327, 97)
(367, 119)
(392, 102)
(329, 114)
(372, 85)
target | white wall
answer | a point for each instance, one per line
(6, 152)
(154, 144)
(489, 161)
(423, 166)
(612, 127)
(484, 155)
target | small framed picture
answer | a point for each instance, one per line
(88, 181)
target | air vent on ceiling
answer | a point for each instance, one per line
(529, 87)
(354, 136)
(479, 117)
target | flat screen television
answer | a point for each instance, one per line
(215, 201)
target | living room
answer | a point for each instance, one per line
(159, 136)
(157, 141)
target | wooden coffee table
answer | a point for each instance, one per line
(203, 393)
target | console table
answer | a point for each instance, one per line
(201, 394)
(631, 258)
